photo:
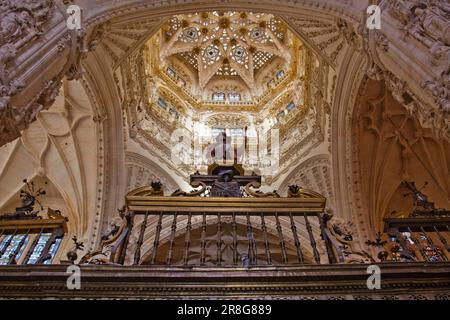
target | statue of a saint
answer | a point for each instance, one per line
(434, 19)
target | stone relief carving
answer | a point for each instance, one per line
(20, 22)
(341, 234)
(413, 152)
(429, 23)
(430, 117)
(349, 33)
(437, 120)
(313, 174)
(436, 87)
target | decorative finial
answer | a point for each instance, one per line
(72, 254)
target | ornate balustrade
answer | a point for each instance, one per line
(224, 222)
(423, 235)
(265, 245)
(414, 239)
(239, 230)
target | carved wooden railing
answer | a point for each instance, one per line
(423, 235)
(30, 241)
(225, 200)
(239, 224)
(414, 239)
(177, 229)
(231, 210)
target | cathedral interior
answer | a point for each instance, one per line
(237, 149)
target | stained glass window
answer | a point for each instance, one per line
(216, 131)
(218, 96)
(4, 241)
(53, 249)
(40, 245)
(280, 74)
(233, 97)
(257, 34)
(290, 106)
(236, 132)
(22, 248)
(171, 72)
(16, 241)
(240, 55)
(189, 35)
(162, 103)
(231, 132)
(211, 54)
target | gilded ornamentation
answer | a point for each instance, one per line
(309, 130)
(22, 20)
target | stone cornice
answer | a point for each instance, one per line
(317, 281)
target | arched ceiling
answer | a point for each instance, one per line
(61, 153)
(390, 147)
(218, 58)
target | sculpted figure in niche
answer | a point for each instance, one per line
(18, 25)
(40, 8)
(402, 10)
(10, 28)
(435, 20)
(427, 21)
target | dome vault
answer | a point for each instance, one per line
(231, 44)
(240, 73)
